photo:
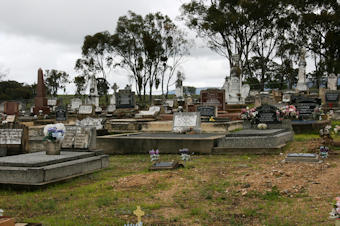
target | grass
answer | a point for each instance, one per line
(208, 191)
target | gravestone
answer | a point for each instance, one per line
(78, 137)
(52, 102)
(305, 105)
(60, 113)
(111, 108)
(10, 118)
(14, 138)
(91, 122)
(332, 98)
(165, 165)
(302, 84)
(302, 157)
(86, 109)
(207, 111)
(75, 104)
(40, 101)
(332, 82)
(11, 108)
(152, 112)
(125, 98)
(186, 121)
(93, 97)
(213, 97)
(267, 114)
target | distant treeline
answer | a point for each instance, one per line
(12, 90)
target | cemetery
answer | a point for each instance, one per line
(257, 143)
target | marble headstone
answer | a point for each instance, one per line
(185, 121)
(332, 82)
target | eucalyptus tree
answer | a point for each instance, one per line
(55, 80)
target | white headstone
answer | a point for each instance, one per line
(153, 111)
(332, 82)
(184, 121)
(52, 102)
(302, 85)
(75, 104)
(111, 108)
(85, 109)
(91, 122)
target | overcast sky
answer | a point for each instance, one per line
(49, 34)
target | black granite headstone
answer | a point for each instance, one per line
(60, 113)
(207, 111)
(267, 114)
(306, 105)
(332, 97)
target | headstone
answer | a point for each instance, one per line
(91, 122)
(79, 137)
(305, 105)
(40, 101)
(332, 82)
(52, 102)
(185, 121)
(86, 109)
(11, 136)
(179, 88)
(125, 98)
(111, 108)
(165, 165)
(302, 157)
(207, 111)
(332, 97)
(213, 97)
(152, 112)
(60, 113)
(10, 118)
(235, 92)
(93, 97)
(11, 108)
(302, 85)
(75, 104)
(267, 114)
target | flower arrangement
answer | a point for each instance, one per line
(335, 213)
(185, 156)
(289, 112)
(249, 114)
(154, 155)
(54, 132)
(324, 152)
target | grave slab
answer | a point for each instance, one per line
(302, 157)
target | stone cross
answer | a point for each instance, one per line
(139, 213)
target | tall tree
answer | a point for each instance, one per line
(145, 46)
(55, 80)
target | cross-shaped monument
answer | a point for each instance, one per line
(139, 213)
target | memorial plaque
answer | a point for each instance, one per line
(165, 165)
(213, 97)
(68, 140)
(60, 113)
(86, 109)
(305, 105)
(10, 118)
(52, 102)
(207, 111)
(10, 136)
(332, 97)
(186, 120)
(267, 114)
(81, 141)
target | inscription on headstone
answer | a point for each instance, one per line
(86, 109)
(52, 102)
(207, 111)
(267, 114)
(81, 141)
(60, 113)
(10, 136)
(332, 97)
(184, 121)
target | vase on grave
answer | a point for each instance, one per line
(52, 147)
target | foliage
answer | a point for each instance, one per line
(13, 90)
(55, 80)
(80, 82)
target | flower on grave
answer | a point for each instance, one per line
(262, 126)
(154, 155)
(54, 132)
(289, 112)
(324, 152)
(248, 114)
(335, 213)
(185, 156)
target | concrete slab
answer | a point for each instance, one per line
(52, 168)
(38, 159)
(255, 132)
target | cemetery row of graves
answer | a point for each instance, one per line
(231, 156)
